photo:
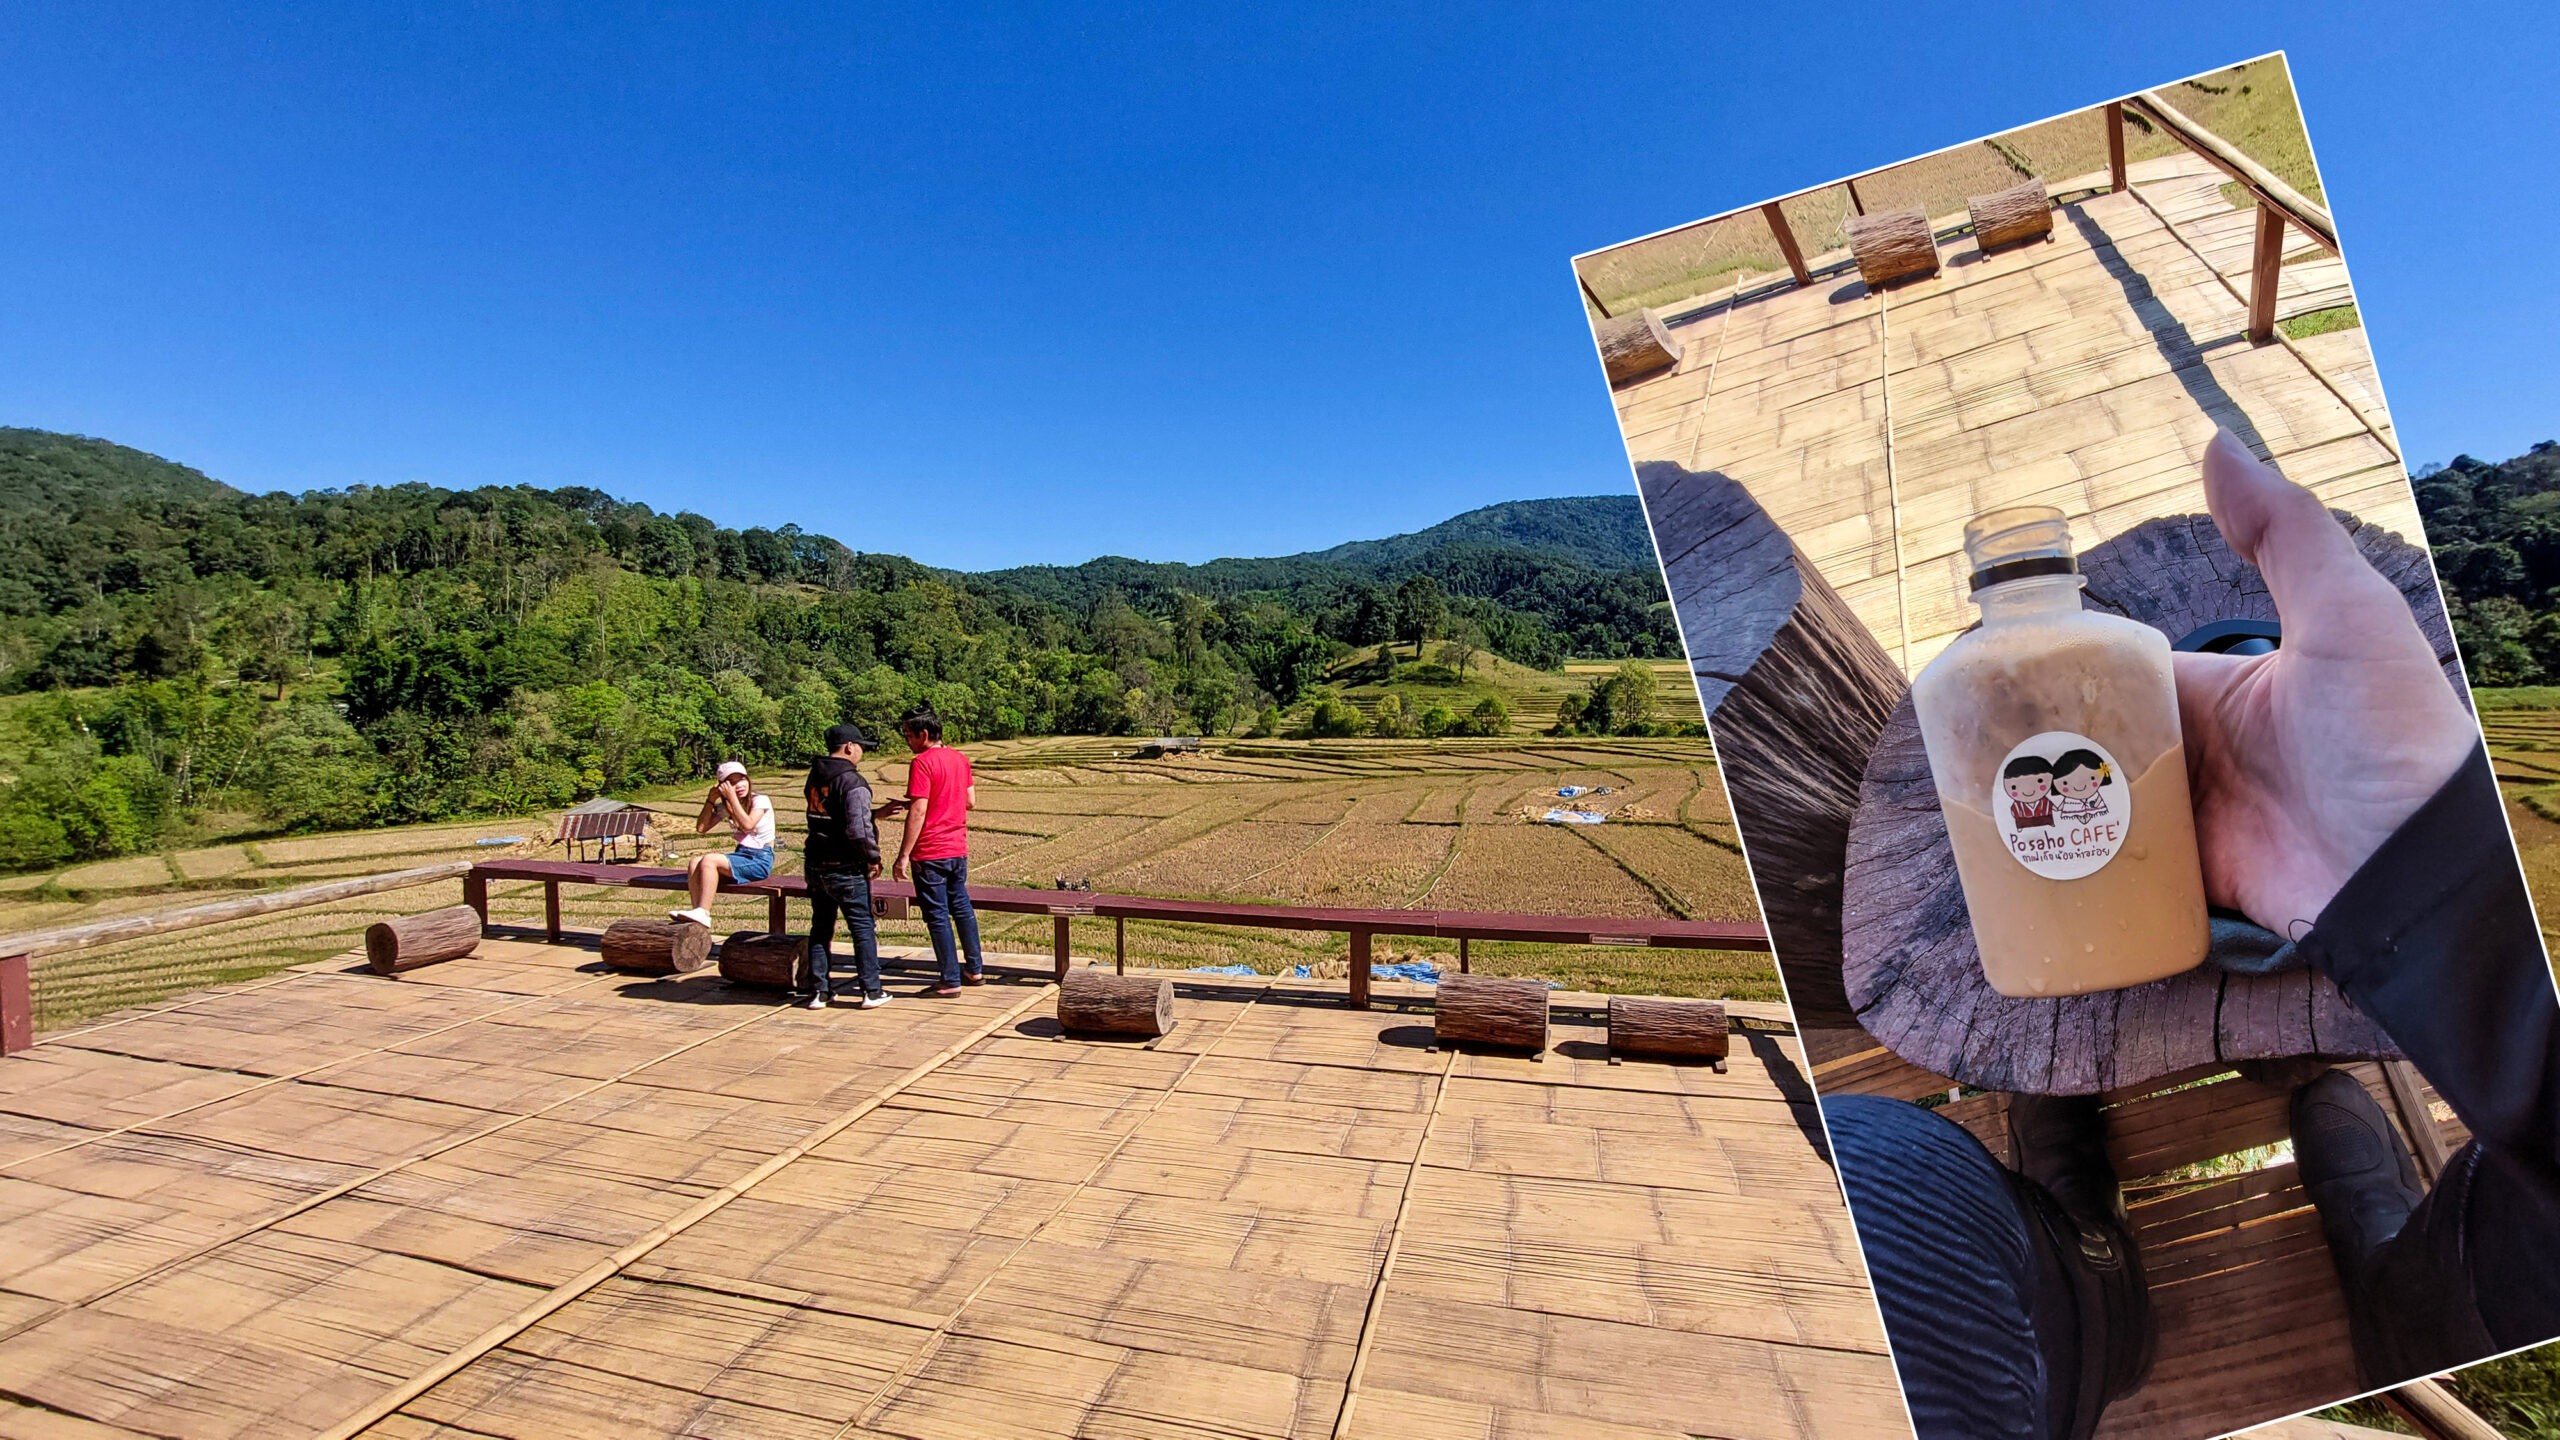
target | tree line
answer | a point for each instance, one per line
(171, 648)
(2495, 530)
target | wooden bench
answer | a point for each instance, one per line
(1065, 906)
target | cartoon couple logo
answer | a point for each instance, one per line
(2065, 789)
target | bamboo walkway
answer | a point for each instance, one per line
(2086, 372)
(518, 1195)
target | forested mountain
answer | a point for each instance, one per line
(2495, 529)
(408, 652)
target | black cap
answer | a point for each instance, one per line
(848, 733)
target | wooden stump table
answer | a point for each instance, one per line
(1909, 964)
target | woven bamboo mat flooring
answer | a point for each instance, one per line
(2087, 372)
(522, 1196)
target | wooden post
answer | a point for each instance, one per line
(1359, 969)
(1509, 1013)
(2426, 1141)
(1634, 345)
(1119, 944)
(1857, 205)
(475, 893)
(1462, 956)
(1587, 294)
(769, 959)
(2266, 264)
(1893, 245)
(777, 913)
(1787, 242)
(656, 947)
(1058, 936)
(551, 910)
(17, 1006)
(2115, 146)
(1669, 1029)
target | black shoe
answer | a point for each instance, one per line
(2071, 1191)
(2353, 1167)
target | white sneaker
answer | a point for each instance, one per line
(816, 1002)
(875, 1000)
(697, 915)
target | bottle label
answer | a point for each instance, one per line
(2063, 805)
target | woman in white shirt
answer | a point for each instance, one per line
(749, 815)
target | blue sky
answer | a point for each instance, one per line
(1058, 281)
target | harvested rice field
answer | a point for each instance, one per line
(1448, 824)
(2524, 748)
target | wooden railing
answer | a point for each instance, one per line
(17, 991)
(1065, 907)
(2279, 204)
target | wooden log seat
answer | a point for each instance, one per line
(1893, 245)
(1097, 1002)
(762, 958)
(2014, 216)
(1913, 975)
(656, 947)
(1634, 345)
(1797, 690)
(1488, 1010)
(1668, 1029)
(409, 941)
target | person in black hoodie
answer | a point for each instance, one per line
(843, 856)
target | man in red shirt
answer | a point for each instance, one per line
(940, 793)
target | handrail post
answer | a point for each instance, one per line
(1857, 203)
(1119, 944)
(1462, 956)
(777, 914)
(1591, 295)
(1359, 969)
(2115, 146)
(1787, 242)
(551, 909)
(475, 893)
(17, 1005)
(2266, 267)
(1058, 936)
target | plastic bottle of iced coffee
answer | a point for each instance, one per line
(2053, 738)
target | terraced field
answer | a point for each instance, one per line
(1449, 823)
(2524, 745)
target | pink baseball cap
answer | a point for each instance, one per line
(727, 769)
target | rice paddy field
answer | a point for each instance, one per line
(1453, 824)
(2523, 727)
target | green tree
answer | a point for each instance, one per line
(1421, 612)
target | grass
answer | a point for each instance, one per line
(2320, 322)
(2252, 106)
(1388, 823)
(2519, 1396)
(1531, 695)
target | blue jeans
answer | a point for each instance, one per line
(942, 888)
(847, 892)
(1976, 1325)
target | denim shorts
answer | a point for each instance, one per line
(747, 866)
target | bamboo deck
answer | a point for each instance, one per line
(517, 1195)
(2086, 372)
(2252, 1324)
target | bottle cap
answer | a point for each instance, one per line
(2020, 542)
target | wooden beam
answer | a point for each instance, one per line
(1119, 944)
(1787, 242)
(2257, 179)
(1462, 956)
(475, 893)
(550, 908)
(1857, 205)
(2115, 147)
(1359, 969)
(134, 927)
(1590, 295)
(2430, 1407)
(2266, 270)
(777, 914)
(1058, 937)
(17, 1006)
(2426, 1140)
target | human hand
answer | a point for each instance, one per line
(2304, 760)
(898, 868)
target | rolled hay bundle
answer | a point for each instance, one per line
(656, 947)
(1635, 344)
(762, 958)
(1893, 245)
(1668, 1029)
(1098, 1002)
(1488, 1010)
(409, 941)
(2013, 216)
